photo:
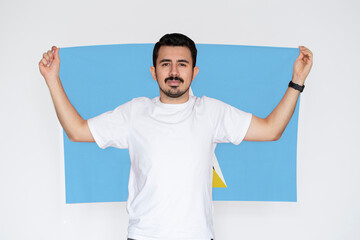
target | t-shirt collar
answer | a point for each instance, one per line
(172, 105)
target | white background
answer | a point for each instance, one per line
(32, 187)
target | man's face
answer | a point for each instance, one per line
(174, 72)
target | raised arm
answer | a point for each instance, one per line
(272, 127)
(74, 125)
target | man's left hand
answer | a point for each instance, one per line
(302, 65)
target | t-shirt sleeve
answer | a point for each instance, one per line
(111, 129)
(231, 124)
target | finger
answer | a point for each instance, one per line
(301, 55)
(46, 56)
(44, 61)
(302, 48)
(306, 53)
(50, 54)
(305, 49)
(56, 53)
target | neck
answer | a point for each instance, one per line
(169, 100)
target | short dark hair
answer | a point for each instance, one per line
(175, 39)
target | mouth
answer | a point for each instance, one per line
(174, 81)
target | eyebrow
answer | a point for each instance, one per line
(183, 60)
(168, 60)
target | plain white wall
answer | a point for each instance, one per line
(32, 203)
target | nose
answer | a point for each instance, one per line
(174, 70)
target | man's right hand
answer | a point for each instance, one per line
(49, 65)
(74, 125)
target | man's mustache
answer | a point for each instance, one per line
(174, 78)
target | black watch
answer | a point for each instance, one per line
(296, 86)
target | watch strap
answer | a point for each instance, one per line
(296, 86)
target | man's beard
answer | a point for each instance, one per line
(174, 92)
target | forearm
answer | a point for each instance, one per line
(69, 118)
(279, 118)
(272, 127)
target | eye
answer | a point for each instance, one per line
(165, 64)
(182, 64)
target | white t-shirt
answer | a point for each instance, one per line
(171, 149)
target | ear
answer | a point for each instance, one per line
(153, 72)
(195, 72)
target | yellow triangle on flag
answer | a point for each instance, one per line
(217, 182)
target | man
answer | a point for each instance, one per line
(170, 135)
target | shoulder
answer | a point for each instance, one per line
(133, 103)
(216, 106)
(211, 107)
(140, 100)
(211, 102)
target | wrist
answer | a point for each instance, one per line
(298, 80)
(52, 81)
(296, 86)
